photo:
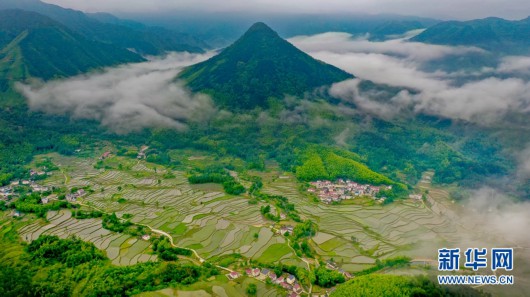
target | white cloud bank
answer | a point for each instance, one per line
(342, 43)
(515, 64)
(493, 213)
(524, 163)
(127, 98)
(399, 63)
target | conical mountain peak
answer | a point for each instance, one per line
(259, 33)
(259, 66)
(260, 27)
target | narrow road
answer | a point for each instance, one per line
(274, 230)
(201, 260)
(160, 232)
(64, 174)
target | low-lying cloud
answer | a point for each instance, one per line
(126, 98)
(349, 91)
(400, 63)
(486, 101)
(493, 213)
(338, 42)
(524, 163)
(515, 64)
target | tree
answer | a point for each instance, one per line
(15, 281)
(265, 209)
(328, 278)
(252, 289)
(306, 229)
(3, 205)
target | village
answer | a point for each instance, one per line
(8, 192)
(334, 192)
(286, 281)
(11, 191)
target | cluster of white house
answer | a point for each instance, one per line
(7, 192)
(287, 281)
(341, 189)
(286, 230)
(72, 197)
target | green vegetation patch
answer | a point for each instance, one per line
(180, 229)
(32, 203)
(166, 252)
(219, 175)
(70, 267)
(326, 163)
(332, 244)
(111, 222)
(394, 285)
(274, 253)
(47, 250)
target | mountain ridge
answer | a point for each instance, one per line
(34, 45)
(492, 33)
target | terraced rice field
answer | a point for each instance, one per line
(206, 220)
(121, 249)
(215, 224)
(356, 235)
(9, 252)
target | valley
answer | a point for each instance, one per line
(263, 152)
(217, 226)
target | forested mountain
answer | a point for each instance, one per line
(494, 34)
(35, 45)
(144, 40)
(259, 66)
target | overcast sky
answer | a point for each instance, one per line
(446, 9)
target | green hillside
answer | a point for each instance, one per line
(143, 39)
(326, 163)
(398, 285)
(257, 67)
(34, 45)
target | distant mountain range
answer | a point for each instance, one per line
(142, 39)
(258, 67)
(47, 41)
(222, 29)
(33, 45)
(392, 29)
(493, 34)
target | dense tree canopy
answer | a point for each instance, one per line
(399, 286)
(50, 266)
